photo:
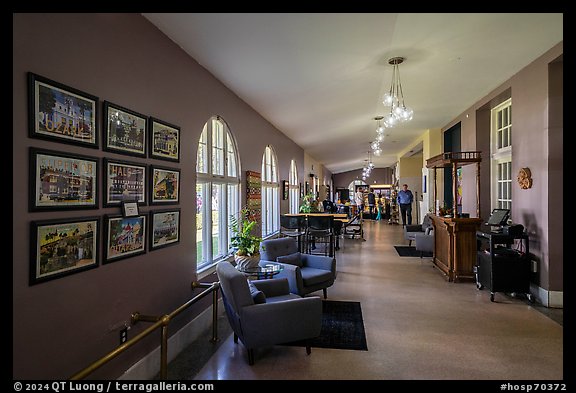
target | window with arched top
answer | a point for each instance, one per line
(217, 192)
(293, 189)
(270, 193)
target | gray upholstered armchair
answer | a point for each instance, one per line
(305, 273)
(410, 231)
(267, 314)
(424, 241)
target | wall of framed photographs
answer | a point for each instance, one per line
(114, 116)
(61, 181)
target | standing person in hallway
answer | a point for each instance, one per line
(371, 203)
(359, 198)
(405, 199)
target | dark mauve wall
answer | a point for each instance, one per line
(537, 142)
(63, 325)
(378, 176)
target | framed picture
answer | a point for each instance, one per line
(164, 228)
(61, 113)
(165, 187)
(285, 189)
(130, 209)
(62, 181)
(62, 247)
(164, 140)
(125, 131)
(124, 236)
(124, 181)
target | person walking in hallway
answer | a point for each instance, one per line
(359, 198)
(405, 199)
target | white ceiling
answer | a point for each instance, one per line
(319, 77)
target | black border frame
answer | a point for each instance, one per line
(151, 230)
(108, 161)
(107, 105)
(107, 219)
(151, 154)
(32, 79)
(32, 197)
(34, 225)
(151, 185)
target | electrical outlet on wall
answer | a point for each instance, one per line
(124, 335)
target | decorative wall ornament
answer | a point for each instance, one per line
(525, 178)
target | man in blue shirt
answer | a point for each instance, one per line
(405, 199)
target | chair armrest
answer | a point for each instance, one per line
(294, 276)
(273, 287)
(320, 262)
(413, 228)
(424, 242)
(280, 322)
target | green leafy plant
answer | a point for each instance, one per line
(308, 204)
(245, 243)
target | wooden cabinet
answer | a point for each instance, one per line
(455, 247)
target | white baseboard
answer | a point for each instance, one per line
(551, 299)
(149, 366)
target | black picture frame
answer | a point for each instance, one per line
(124, 130)
(62, 181)
(61, 113)
(164, 228)
(62, 247)
(164, 185)
(130, 209)
(164, 140)
(124, 181)
(285, 189)
(124, 237)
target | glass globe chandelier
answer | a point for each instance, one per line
(394, 98)
(375, 145)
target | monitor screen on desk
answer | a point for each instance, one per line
(498, 217)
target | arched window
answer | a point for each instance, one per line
(353, 185)
(217, 192)
(270, 194)
(294, 191)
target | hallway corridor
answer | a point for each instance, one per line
(418, 326)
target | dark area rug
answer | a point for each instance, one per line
(409, 251)
(342, 327)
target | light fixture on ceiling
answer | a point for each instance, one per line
(375, 145)
(394, 98)
(367, 169)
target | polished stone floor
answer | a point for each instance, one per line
(418, 326)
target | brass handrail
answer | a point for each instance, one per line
(161, 322)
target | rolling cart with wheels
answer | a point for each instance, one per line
(499, 267)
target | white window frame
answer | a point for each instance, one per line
(229, 205)
(270, 193)
(294, 189)
(501, 155)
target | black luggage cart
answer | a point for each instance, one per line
(501, 268)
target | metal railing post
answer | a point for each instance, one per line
(215, 315)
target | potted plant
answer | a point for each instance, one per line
(246, 244)
(308, 204)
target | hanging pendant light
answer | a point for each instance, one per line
(394, 98)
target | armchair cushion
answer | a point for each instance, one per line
(257, 295)
(311, 276)
(292, 259)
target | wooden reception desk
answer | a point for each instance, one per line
(455, 246)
